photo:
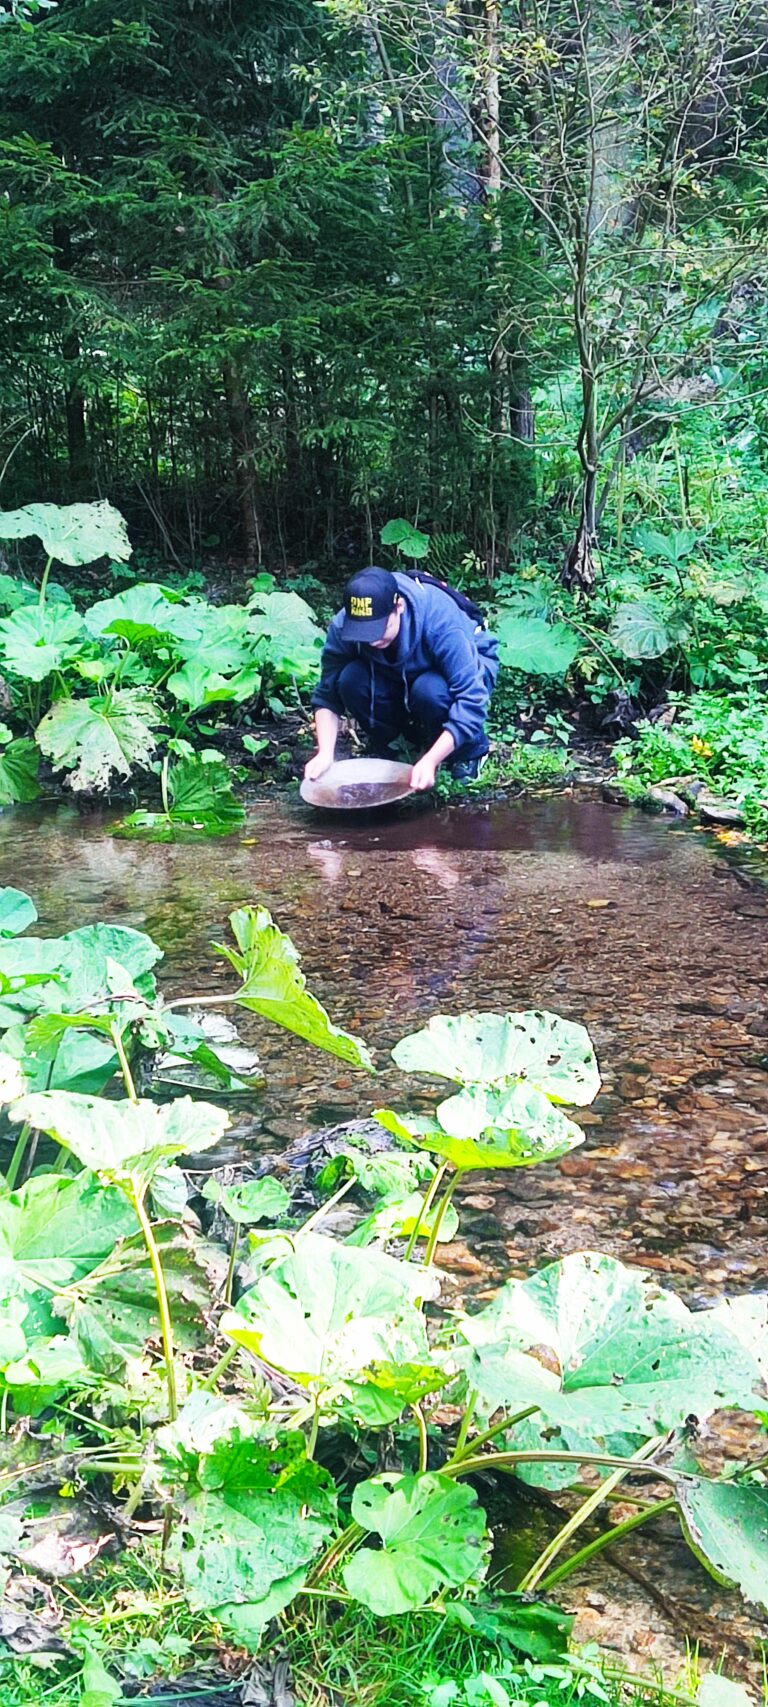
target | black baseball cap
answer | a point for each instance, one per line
(369, 600)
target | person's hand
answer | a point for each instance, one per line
(423, 775)
(316, 767)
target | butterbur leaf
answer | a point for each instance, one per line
(406, 537)
(537, 647)
(257, 1200)
(142, 615)
(715, 1690)
(116, 1138)
(433, 1537)
(513, 1128)
(726, 1524)
(251, 1529)
(72, 533)
(554, 1054)
(39, 639)
(639, 629)
(327, 1314)
(17, 911)
(603, 1353)
(19, 766)
(197, 685)
(398, 1218)
(274, 985)
(97, 738)
(201, 798)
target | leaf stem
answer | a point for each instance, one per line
(314, 1430)
(44, 582)
(125, 1067)
(326, 1207)
(230, 1280)
(509, 1461)
(605, 1540)
(423, 1438)
(166, 1328)
(466, 1422)
(491, 1433)
(15, 1164)
(541, 1565)
(220, 1368)
(440, 1214)
(434, 1187)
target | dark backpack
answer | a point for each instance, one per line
(464, 603)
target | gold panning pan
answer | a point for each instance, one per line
(354, 785)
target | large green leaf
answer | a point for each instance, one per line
(603, 1353)
(72, 533)
(197, 685)
(37, 640)
(143, 615)
(19, 767)
(554, 1054)
(274, 985)
(53, 1057)
(119, 1138)
(289, 638)
(17, 911)
(255, 1515)
(111, 1312)
(398, 1218)
(639, 629)
(54, 1230)
(94, 738)
(406, 537)
(328, 1315)
(536, 647)
(433, 1537)
(673, 547)
(726, 1524)
(201, 798)
(507, 1128)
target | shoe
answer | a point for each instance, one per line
(468, 770)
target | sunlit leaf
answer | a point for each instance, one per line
(536, 647)
(94, 739)
(36, 640)
(274, 985)
(72, 533)
(116, 1138)
(432, 1533)
(17, 911)
(726, 1524)
(552, 1053)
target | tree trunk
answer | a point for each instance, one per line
(244, 467)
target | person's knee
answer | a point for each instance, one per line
(430, 697)
(354, 687)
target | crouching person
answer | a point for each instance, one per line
(406, 657)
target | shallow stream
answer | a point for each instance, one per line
(640, 929)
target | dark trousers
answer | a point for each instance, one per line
(375, 696)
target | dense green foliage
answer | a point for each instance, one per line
(264, 1463)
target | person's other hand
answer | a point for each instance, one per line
(316, 767)
(423, 775)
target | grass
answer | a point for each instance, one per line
(126, 1624)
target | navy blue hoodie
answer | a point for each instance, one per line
(435, 634)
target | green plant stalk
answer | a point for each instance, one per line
(335, 1552)
(326, 1207)
(19, 1148)
(605, 1540)
(314, 1430)
(164, 785)
(440, 1213)
(136, 1198)
(423, 1438)
(509, 1461)
(220, 1368)
(44, 582)
(466, 1422)
(491, 1433)
(540, 1566)
(230, 1280)
(434, 1187)
(125, 1068)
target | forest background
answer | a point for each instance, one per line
(276, 274)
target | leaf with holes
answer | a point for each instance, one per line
(328, 1315)
(95, 739)
(726, 1524)
(554, 1054)
(256, 1200)
(274, 985)
(606, 1356)
(72, 533)
(433, 1536)
(120, 1139)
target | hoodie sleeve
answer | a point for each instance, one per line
(336, 653)
(457, 658)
